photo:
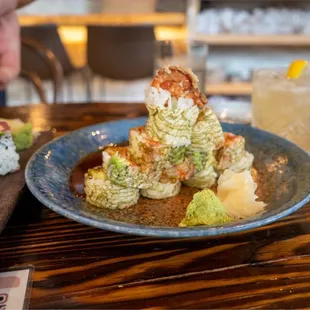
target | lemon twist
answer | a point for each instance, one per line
(296, 69)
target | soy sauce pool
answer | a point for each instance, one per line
(77, 175)
(167, 212)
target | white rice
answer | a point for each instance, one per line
(159, 98)
(8, 155)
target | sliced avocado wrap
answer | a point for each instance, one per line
(207, 133)
(244, 163)
(162, 190)
(199, 159)
(233, 155)
(181, 172)
(170, 120)
(177, 155)
(150, 155)
(205, 175)
(102, 193)
(122, 171)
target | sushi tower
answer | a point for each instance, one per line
(182, 142)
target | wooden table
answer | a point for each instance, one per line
(77, 266)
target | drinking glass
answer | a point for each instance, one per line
(188, 54)
(282, 106)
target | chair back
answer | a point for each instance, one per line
(52, 66)
(120, 52)
(48, 36)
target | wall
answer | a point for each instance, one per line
(252, 4)
(69, 7)
(53, 7)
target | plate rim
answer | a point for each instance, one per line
(157, 231)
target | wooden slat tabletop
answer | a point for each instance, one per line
(81, 267)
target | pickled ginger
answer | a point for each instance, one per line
(237, 193)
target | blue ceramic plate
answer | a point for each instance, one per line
(283, 172)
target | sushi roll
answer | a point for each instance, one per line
(22, 133)
(180, 82)
(123, 171)
(244, 164)
(177, 155)
(9, 159)
(233, 155)
(102, 193)
(199, 159)
(207, 133)
(178, 167)
(182, 164)
(179, 172)
(173, 101)
(150, 155)
(205, 175)
(162, 189)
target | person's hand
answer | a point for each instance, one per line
(9, 43)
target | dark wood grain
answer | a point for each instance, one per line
(12, 184)
(81, 267)
(66, 117)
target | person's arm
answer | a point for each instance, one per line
(21, 3)
(7, 6)
(9, 40)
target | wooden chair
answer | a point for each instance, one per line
(124, 53)
(40, 61)
(36, 82)
(48, 36)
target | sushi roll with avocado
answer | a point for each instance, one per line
(150, 155)
(165, 188)
(9, 159)
(207, 133)
(173, 101)
(179, 166)
(233, 155)
(244, 163)
(207, 138)
(102, 193)
(181, 171)
(205, 175)
(183, 163)
(177, 155)
(198, 159)
(123, 171)
(22, 133)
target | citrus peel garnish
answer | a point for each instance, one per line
(296, 69)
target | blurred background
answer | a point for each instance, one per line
(105, 50)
